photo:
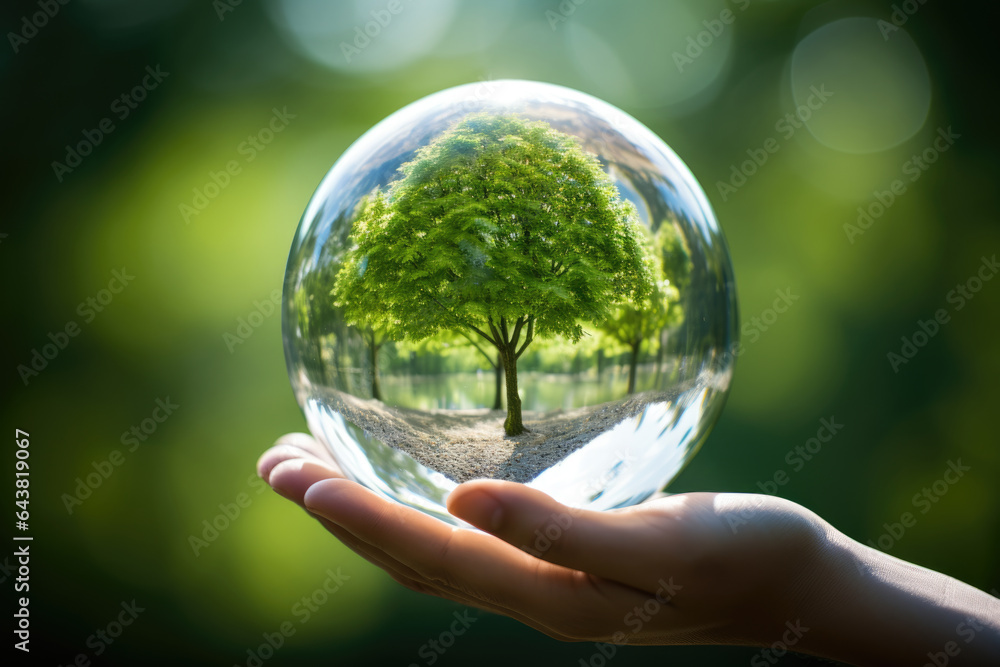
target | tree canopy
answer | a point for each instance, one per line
(502, 227)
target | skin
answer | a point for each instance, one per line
(728, 568)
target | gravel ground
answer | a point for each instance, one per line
(471, 444)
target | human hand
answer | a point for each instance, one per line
(701, 568)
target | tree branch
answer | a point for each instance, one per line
(478, 331)
(496, 333)
(517, 331)
(463, 323)
(476, 345)
(528, 338)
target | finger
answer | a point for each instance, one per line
(293, 445)
(301, 440)
(412, 580)
(477, 565)
(270, 459)
(305, 443)
(292, 477)
(401, 573)
(626, 546)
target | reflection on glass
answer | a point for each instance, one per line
(524, 284)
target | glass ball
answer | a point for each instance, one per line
(510, 280)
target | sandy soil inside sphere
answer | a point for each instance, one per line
(471, 444)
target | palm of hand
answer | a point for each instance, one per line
(689, 568)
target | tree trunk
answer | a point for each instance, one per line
(376, 387)
(318, 347)
(513, 424)
(633, 362)
(498, 376)
(600, 362)
(660, 350)
(340, 350)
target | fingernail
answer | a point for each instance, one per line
(482, 510)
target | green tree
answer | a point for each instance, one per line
(671, 248)
(502, 228)
(633, 322)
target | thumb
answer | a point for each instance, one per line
(609, 545)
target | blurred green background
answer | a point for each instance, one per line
(224, 67)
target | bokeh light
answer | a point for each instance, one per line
(880, 85)
(815, 218)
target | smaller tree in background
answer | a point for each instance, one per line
(671, 248)
(633, 322)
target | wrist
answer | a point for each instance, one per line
(870, 608)
(795, 574)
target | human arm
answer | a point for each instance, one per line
(700, 568)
